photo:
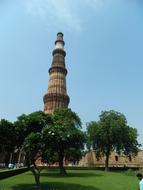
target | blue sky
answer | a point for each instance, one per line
(104, 43)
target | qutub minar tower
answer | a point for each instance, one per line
(57, 97)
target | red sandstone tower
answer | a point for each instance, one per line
(57, 97)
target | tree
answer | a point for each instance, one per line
(7, 138)
(112, 133)
(29, 131)
(64, 134)
(74, 155)
(33, 148)
(31, 123)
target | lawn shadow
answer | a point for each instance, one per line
(54, 186)
(72, 174)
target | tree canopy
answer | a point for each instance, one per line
(29, 131)
(112, 133)
(64, 134)
(8, 138)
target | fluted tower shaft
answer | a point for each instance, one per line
(57, 97)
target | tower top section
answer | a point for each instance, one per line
(59, 43)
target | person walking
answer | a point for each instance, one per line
(140, 178)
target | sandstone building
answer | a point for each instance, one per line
(115, 160)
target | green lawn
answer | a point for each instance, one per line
(76, 180)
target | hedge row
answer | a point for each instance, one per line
(12, 172)
(90, 168)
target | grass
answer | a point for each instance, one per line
(76, 180)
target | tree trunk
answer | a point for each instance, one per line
(11, 156)
(19, 158)
(7, 158)
(37, 180)
(107, 162)
(62, 169)
(36, 172)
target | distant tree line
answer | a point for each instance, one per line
(58, 136)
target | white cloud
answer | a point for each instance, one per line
(62, 12)
(56, 11)
(97, 4)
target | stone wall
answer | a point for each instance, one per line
(115, 160)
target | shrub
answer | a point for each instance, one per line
(13, 172)
(130, 172)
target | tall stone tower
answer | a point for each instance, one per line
(57, 97)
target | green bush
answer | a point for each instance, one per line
(12, 172)
(114, 169)
(130, 172)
